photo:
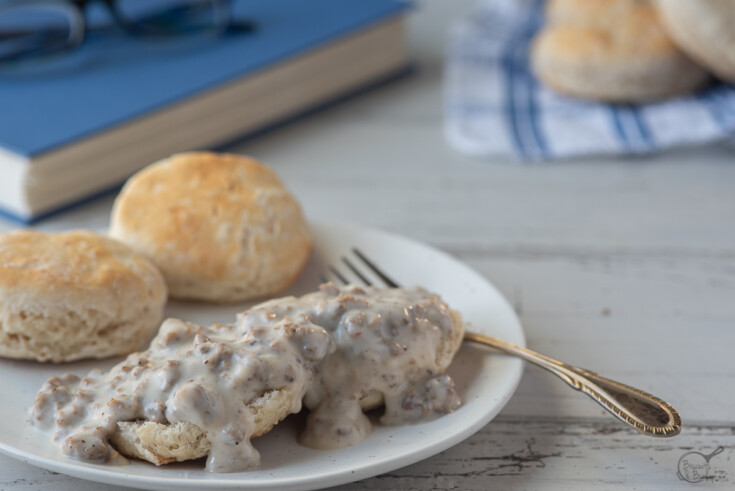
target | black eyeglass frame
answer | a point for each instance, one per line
(224, 6)
(78, 26)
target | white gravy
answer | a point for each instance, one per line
(334, 349)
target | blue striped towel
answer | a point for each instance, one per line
(495, 107)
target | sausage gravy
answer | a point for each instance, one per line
(338, 351)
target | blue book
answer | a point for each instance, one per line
(93, 117)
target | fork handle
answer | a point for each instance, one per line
(644, 412)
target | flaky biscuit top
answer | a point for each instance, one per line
(37, 262)
(202, 214)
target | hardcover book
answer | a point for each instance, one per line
(120, 102)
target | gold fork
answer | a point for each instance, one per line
(646, 413)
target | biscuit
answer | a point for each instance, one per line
(705, 30)
(220, 227)
(611, 50)
(75, 295)
(161, 443)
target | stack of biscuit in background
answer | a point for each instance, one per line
(542, 80)
(634, 50)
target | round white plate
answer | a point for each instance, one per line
(485, 382)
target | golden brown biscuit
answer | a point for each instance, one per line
(220, 227)
(705, 30)
(75, 295)
(611, 50)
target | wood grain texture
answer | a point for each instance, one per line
(570, 455)
(514, 453)
(623, 266)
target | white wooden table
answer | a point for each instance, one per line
(624, 266)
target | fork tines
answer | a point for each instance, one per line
(354, 266)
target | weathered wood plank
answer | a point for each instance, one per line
(371, 177)
(510, 454)
(664, 325)
(515, 454)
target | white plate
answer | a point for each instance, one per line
(484, 381)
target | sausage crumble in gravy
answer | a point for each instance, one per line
(338, 348)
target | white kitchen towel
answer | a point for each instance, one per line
(495, 107)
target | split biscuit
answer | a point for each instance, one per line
(75, 295)
(611, 50)
(705, 30)
(164, 443)
(220, 227)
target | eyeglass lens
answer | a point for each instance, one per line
(165, 17)
(33, 28)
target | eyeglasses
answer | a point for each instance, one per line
(38, 28)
